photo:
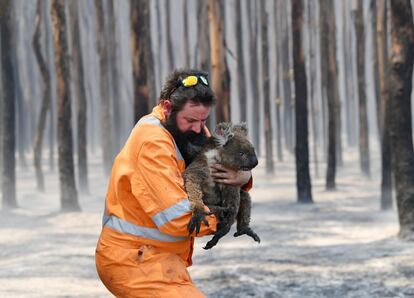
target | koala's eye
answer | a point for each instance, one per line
(242, 153)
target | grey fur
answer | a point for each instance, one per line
(230, 147)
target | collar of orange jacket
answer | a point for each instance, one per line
(158, 112)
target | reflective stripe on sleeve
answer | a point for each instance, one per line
(172, 212)
(155, 121)
(135, 230)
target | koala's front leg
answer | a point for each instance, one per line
(243, 217)
(195, 196)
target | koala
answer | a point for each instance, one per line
(230, 147)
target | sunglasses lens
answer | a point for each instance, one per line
(204, 80)
(190, 81)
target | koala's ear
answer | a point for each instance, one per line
(224, 132)
(241, 128)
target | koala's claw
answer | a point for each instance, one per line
(249, 232)
(196, 220)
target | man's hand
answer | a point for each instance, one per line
(228, 176)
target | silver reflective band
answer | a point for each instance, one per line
(172, 212)
(128, 228)
(155, 121)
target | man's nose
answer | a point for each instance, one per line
(196, 128)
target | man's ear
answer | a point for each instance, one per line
(167, 107)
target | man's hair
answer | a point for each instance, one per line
(179, 95)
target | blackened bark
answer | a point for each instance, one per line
(266, 90)
(81, 98)
(170, 49)
(278, 73)
(219, 68)
(382, 50)
(254, 73)
(139, 48)
(106, 117)
(303, 181)
(68, 193)
(186, 42)
(44, 71)
(8, 121)
(241, 76)
(363, 113)
(399, 106)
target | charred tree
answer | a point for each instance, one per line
(278, 95)
(170, 49)
(140, 41)
(303, 182)
(106, 117)
(254, 72)
(266, 90)
(186, 42)
(363, 113)
(399, 107)
(329, 72)
(377, 91)
(68, 193)
(382, 50)
(8, 122)
(81, 106)
(241, 76)
(47, 94)
(219, 67)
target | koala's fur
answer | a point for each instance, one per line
(230, 147)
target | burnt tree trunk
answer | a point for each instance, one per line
(68, 193)
(254, 72)
(363, 113)
(382, 50)
(170, 50)
(47, 94)
(8, 122)
(303, 182)
(186, 43)
(399, 107)
(241, 76)
(139, 49)
(81, 106)
(219, 67)
(106, 117)
(327, 50)
(278, 73)
(266, 90)
(377, 91)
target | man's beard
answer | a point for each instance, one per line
(189, 143)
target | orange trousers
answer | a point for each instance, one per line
(143, 272)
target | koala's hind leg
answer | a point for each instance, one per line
(222, 230)
(243, 217)
(195, 195)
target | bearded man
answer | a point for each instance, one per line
(144, 246)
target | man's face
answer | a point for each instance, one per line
(192, 117)
(187, 128)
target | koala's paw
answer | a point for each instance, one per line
(196, 220)
(247, 231)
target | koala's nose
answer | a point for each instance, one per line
(254, 162)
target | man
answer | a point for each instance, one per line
(144, 247)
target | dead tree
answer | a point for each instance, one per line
(81, 107)
(186, 43)
(68, 193)
(303, 182)
(47, 94)
(278, 72)
(363, 114)
(241, 76)
(329, 72)
(254, 72)
(106, 117)
(170, 49)
(219, 68)
(383, 73)
(140, 39)
(399, 106)
(8, 93)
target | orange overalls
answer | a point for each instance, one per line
(144, 247)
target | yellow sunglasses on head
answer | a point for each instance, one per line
(193, 80)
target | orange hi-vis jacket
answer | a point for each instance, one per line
(144, 245)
